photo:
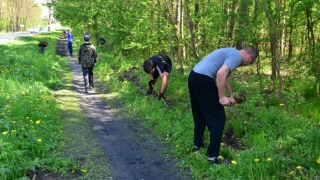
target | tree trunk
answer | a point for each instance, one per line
(192, 31)
(274, 40)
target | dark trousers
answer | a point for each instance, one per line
(87, 76)
(206, 111)
(70, 48)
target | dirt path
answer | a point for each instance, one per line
(129, 153)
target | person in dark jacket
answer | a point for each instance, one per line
(87, 57)
(158, 66)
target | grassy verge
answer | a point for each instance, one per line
(38, 126)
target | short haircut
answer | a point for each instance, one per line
(147, 66)
(252, 50)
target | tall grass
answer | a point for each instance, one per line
(30, 122)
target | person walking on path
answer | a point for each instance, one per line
(207, 83)
(87, 57)
(70, 42)
(155, 66)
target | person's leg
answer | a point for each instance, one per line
(69, 48)
(85, 77)
(90, 72)
(214, 116)
(212, 111)
(198, 119)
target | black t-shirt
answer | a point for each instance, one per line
(163, 64)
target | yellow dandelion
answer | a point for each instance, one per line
(220, 157)
(84, 170)
(238, 155)
(13, 130)
(256, 160)
(234, 162)
(5, 132)
(38, 122)
(13, 122)
(291, 172)
(22, 128)
(72, 171)
(244, 122)
(299, 167)
(269, 159)
(318, 160)
(177, 145)
(281, 104)
(39, 140)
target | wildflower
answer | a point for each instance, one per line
(269, 159)
(234, 162)
(13, 130)
(220, 157)
(177, 145)
(244, 122)
(72, 171)
(5, 132)
(238, 155)
(318, 160)
(281, 104)
(22, 128)
(13, 122)
(299, 167)
(256, 160)
(38, 122)
(222, 144)
(84, 170)
(291, 172)
(39, 140)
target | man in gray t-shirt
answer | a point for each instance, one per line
(207, 83)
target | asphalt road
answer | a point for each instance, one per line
(9, 36)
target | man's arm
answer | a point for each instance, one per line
(164, 82)
(228, 87)
(221, 80)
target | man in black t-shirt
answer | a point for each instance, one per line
(155, 66)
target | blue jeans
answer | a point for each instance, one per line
(70, 48)
(87, 76)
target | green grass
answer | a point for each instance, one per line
(280, 141)
(38, 115)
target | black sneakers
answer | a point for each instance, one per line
(195, 149)
(218, 161)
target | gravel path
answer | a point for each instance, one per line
(130, 154)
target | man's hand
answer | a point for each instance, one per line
(151, 82)
(225, 101)
(161, 95)
(232, 101)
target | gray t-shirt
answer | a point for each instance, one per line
(213, 62)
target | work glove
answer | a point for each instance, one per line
(148, 93)
(161, 95)
(151, 82)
